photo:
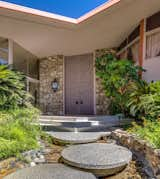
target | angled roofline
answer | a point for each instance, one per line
(97, 10)
(27, 10)
(23, 9)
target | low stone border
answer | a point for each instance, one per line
(145, 152)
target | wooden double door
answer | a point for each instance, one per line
(79, 85)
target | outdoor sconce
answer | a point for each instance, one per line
(55, 85)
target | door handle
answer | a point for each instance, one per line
(76, 102)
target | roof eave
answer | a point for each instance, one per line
(31, 11)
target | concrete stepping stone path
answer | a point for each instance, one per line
(98, 158)
(50, 171)
(77, 138)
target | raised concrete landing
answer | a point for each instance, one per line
(77, 138)
(50, 171)
(81, 124)
(98, 158)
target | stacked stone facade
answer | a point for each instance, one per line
(102, 102)
(51, 102)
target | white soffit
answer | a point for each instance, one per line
(45, 34)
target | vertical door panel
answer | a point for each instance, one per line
(79, 85)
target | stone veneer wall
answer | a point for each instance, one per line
(102, 102)
(51, 103)
(149, 156)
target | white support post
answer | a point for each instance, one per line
(94, 83)
(10, 52)
(145, 40)
(27, 85)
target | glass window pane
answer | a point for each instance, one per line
(153, 45)
(3, 51)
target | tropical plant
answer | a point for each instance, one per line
(149, 131)
(117, 76)
(144, 101)
(12, 89)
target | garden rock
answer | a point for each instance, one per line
(32, 164)
(146, 153)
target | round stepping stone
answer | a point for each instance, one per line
(50, 171)
(99, 158)
(77, 138)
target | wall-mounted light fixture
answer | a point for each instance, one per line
(55, 85)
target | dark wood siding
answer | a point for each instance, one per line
(134, 34)
(153, 22)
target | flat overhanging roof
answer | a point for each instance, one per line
(46, 34)
(27, 10)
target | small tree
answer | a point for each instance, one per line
(116, 76)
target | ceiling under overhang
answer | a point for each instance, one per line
(45, 36)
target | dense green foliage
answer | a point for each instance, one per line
(117, 76)
(131, 95)
(12, 89)
(17, 115)
(17, 134)
(149, 131)
(144, 101)
(128, 93)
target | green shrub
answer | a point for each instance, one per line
(17, 132)
(144, 101)
(46, 137)
(116, 76)
(149, 131)
(12, 89)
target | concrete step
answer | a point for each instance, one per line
(91, 123)
(79, 118)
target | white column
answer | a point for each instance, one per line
(27, 85)
(10, 52)
(145, 40)
(94, 83)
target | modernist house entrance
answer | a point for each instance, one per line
(79, 85)
(36, 44)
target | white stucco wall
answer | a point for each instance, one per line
(153, 69)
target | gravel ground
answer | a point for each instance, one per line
(133, 171)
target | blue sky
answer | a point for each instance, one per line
(70, 8)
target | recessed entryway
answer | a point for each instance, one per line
(79, 85)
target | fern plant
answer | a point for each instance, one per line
(144, 101)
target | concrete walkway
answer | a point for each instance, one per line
(81, 124)
(50, 171)
(77, 137)
(99, 158)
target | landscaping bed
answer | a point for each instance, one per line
(52, 154)
(146, 153)
(17, 134)
(17, 115)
